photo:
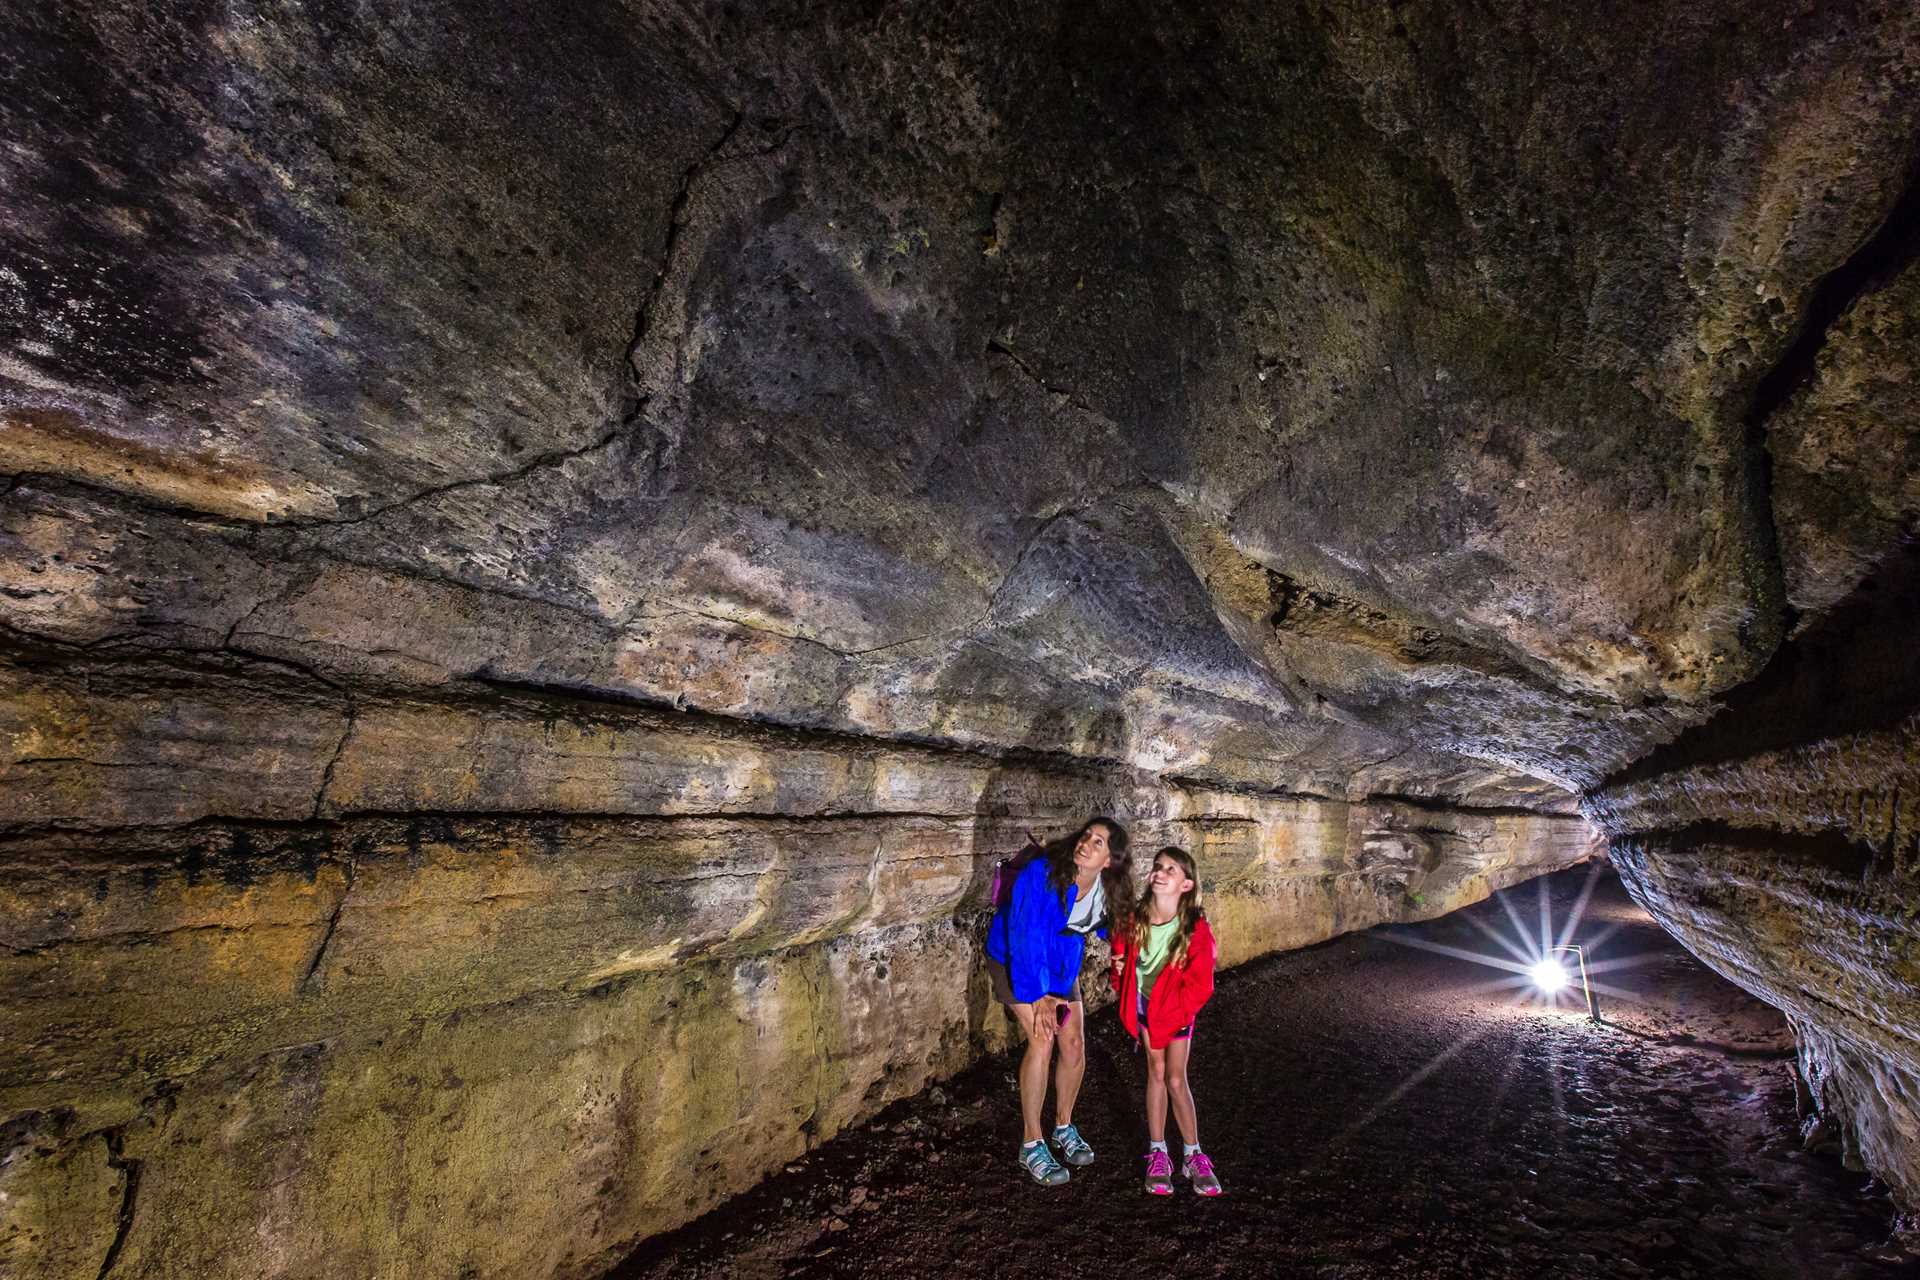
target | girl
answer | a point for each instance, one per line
(1034, 948)
(1163, 970)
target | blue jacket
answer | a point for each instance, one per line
(1029, 936)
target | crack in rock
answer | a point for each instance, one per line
(997, 347)
(541, 462)
(339, 749)
(129, 1195)
(1879, 259)
(660, 456)
(630, 419)
(312, 974)
(676, 220)
(962, 634)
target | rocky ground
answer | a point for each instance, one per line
(1375, 1110)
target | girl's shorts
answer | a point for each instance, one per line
(1184, 1033)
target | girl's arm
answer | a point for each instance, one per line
(1200, 956)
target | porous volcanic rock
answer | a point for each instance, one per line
(1781, 844)
(544, 547)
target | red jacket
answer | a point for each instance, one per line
(1178, 992)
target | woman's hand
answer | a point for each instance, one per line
(1046, 1017)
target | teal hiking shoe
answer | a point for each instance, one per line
(1073, 1148)
(1038, 1161)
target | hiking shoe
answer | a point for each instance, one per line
(1073, 1148)
(1159, 1173)
(1199, 1171)
(1038, 1161)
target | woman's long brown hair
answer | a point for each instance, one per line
(1188, 913)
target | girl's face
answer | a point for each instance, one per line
(1090, 852)
(1169, 877)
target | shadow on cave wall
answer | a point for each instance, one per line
(1853, 671)
(1030, 791)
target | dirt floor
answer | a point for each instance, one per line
(1375, 1109)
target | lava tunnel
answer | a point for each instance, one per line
(554, 558)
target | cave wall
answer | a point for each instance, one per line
(542, 547)
(442, 1031)
(1780, 841)
(1782, 845)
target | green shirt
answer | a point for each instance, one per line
(1155, 949)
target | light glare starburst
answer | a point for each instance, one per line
(1549, 975)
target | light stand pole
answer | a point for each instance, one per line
(1579, 954)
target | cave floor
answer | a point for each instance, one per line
(1374, 1110)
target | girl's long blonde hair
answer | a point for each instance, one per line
(1188, 913)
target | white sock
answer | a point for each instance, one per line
(1191, 1149)
(1156, 1146)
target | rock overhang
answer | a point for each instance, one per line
(1050, 352)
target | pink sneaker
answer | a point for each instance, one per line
(1199, 1171)
(1159, 1173)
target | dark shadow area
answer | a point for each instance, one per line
(1851, 672)
(1377, 1108)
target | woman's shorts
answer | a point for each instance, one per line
(1184, 1033)
(1002, 983)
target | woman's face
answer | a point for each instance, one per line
(1169, 876)
(1090, 852)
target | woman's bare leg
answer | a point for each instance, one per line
(1033, 1071)
(1071, 1068)
(1176, 1089)
(1156, 1092)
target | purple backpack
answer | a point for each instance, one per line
(1007, 870)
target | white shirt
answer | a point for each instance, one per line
(1088, 909)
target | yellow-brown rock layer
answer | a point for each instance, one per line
(538, 980)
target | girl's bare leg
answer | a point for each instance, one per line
(1156, 1091)
(1182, 1097)
(1071, 1068)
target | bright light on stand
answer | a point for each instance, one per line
(1552, 977)
(1549, 976)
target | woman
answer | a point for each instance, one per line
(1034, 948)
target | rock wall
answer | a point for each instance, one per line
(1781, 841)
(1346, 397)
(543, 976)
(1781, 844)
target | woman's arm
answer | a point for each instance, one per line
(1027, 952)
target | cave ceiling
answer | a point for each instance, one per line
(1347, 398)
